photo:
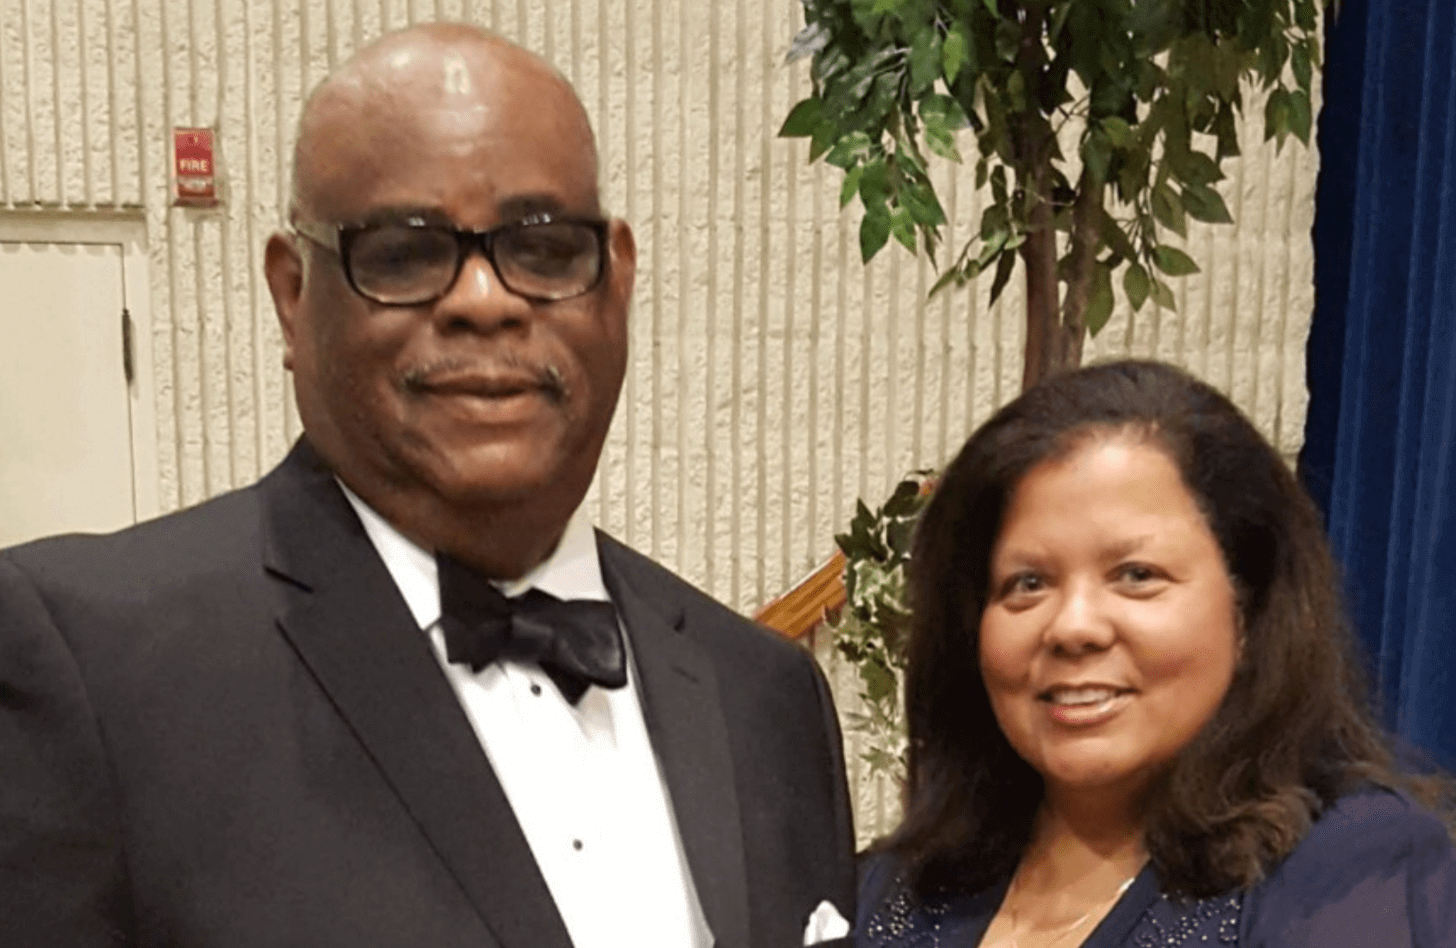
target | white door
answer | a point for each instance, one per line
(65, 415)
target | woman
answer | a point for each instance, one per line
(1135, 712)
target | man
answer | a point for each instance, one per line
(273, 720)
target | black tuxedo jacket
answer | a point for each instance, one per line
(223, 729)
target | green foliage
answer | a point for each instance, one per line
(870, 631)
(1149, 89)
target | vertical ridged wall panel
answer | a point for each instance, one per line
(773, 378)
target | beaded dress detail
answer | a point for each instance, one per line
(905, 921)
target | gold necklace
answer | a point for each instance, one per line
(1096, 909)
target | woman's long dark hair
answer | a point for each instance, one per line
(1293, 733)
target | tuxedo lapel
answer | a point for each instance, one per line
(345, 618)
(689, 734)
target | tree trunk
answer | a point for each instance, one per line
(1049, 345)
(1043, 314)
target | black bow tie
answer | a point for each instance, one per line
(577, 642)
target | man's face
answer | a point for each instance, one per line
(482, 398)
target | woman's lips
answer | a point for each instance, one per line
(1085, 705)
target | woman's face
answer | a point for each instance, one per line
(1109, 638)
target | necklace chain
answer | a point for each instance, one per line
(1063, 933)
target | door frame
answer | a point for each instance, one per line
(129, 231)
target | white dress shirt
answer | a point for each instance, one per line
(583, 780)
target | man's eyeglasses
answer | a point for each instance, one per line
(413, 262)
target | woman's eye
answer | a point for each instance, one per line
(1137, 573)
(1022, 584)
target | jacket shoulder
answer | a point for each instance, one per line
(680, 601)
(215, 535)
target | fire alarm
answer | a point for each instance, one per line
(195, 169)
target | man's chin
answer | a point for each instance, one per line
(476, 480)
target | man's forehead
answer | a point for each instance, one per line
(499, 109)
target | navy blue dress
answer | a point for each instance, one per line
(1375, 871)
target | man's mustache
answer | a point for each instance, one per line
(499, 372)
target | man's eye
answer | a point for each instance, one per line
(547, 249)
(397, 248)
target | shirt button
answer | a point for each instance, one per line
(535, 688)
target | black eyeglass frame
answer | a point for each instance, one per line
(339, 239)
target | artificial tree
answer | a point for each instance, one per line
(1099, 126)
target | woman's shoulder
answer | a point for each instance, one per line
(1375, 868)
(1371, 827)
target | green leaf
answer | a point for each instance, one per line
(1173, 261)
(879, 681)
(851, 150)
(1113, 236)
(925, 60)
(942, 110)
(908, 158)
(1099, 301)
(1097, 156)
(1299, 115)
(1304, 15)
(1059, 20)
(999, 190)
(1194, 167)
(803, 118)
(1163, 296)
(866, 14)
(851, 184)
(874, 185)
(1119, 133)
(1276, 114)
(874, 231)
(1004, 266)
(1300, 63)
(941, 142)
(825, 135)
(1016, 92)
(954, 54)
(1205, 204)
(952, 275)
(1168, 209)
(991, 248)
(1225, 127)
(902, 225)
(1228, 65)
(920, 200)
(941, 115)
(900, 534)
(1135, 285)
(808, 41)
(995, 219)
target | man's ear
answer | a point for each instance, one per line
(283, 267)
(623, 266)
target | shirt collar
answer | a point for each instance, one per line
(572, 571)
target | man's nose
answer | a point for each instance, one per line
(479, 301)
(1080, 622)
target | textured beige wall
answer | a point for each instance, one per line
(774, 379)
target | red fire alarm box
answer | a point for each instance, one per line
(194, 167)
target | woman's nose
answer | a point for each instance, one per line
(1080, 622)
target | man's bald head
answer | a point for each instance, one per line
(352, 118)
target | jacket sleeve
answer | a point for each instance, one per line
(843, 810)
(1376, 870)
(62, 880)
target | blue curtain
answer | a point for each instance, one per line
(1380, 450)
